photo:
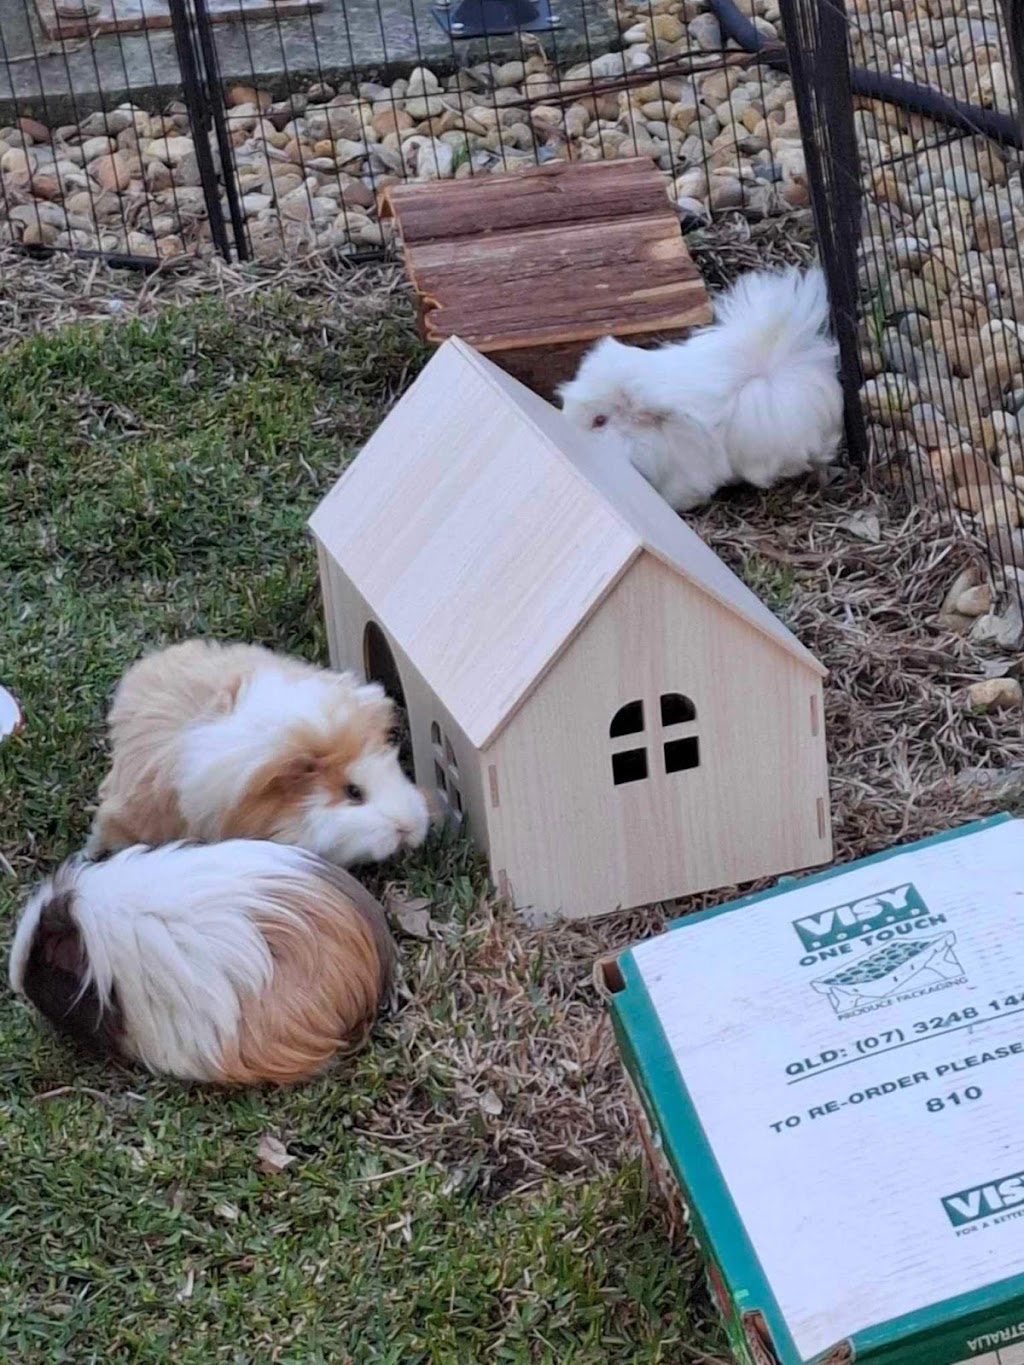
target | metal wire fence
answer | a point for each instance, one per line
(257, 127)
(919, 203)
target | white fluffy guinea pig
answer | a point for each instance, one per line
(212, 741)
(236, 963)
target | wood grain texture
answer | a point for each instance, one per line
(629, 276)
(562, 194)
(528, 588)
(482, 529)
(478, 550)
(547, 260)
(573, 843)
(348, 614)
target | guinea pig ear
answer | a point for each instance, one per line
(636, 409)
(290, 774)
(271, 795)
(646, 416)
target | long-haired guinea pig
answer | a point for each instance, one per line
(234, 963)
(213, 741)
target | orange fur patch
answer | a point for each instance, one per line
(307, 762)
(331, 969)
(156, 700)
(151, 816)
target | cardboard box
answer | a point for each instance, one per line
(834, 1072)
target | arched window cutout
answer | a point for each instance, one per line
(628, 720)
(681, 754)
(676, 709)
(630, 766)
(446, 774)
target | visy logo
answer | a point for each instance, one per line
(841, 923)
(984, 1201)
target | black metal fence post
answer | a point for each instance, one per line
(215, 99)
(198, 105)
(816, 33)
(1013, 17)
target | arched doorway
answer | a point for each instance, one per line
(379, 666)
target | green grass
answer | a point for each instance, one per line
(773, 583)
(155, 478)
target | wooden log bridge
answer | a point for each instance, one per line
(530, 267)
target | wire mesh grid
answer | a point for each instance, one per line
(929, 176)
(261, 128)
(66, 168)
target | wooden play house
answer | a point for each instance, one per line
(617, 716)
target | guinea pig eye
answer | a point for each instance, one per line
(303, 770)
(599, 421)
(354, 794)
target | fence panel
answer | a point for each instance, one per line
(98, 152)
(940, 273)
(397, 93)
(304, 109)
(818, 58)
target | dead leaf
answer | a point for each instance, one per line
(274, 1155)
(412, 916)
(454, 1181)
(416, 903)
(490, 1103)
(414, 923)
(394, 900)
(996, 668)
(185, 1292)
(228, 1212)
(865, 526)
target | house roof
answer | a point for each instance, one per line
(482, 532)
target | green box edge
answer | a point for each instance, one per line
(714, 1220)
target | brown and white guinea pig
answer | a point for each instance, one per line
(213, 741)
(235, 963)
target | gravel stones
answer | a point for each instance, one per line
(995, 694)
(726, 139)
